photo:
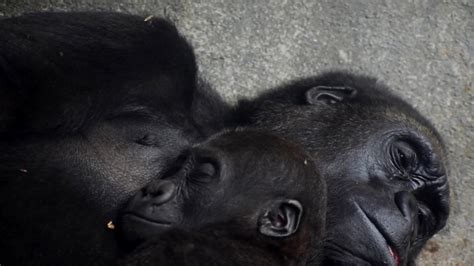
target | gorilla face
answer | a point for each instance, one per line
(64, 189)
(392, 195)
(224, 182)
(129, 150)
(93, 105)
(384, 164)
(102, 164)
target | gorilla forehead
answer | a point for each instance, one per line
(270, 149)
(374, 109)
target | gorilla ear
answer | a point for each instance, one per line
(282, 219)
(329, 95)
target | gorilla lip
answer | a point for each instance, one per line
(135, 216)
(391, 250)
(394, 254)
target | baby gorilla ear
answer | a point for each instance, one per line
(329, 95)
(281, 219)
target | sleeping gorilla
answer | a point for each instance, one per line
(101, 103)
(384, 164)
(221, 205)
(63, 71)
(94, 105)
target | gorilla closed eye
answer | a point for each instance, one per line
(204, 172)
(404, 157)
(207, 169)
(148, 140)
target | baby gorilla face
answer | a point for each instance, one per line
(247, 180)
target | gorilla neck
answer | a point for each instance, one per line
(216, 246)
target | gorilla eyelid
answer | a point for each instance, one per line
(207, 168)
(205, 172)
(404, 157)
(147, 140)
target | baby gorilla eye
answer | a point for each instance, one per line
(404, 158)
(204, 172)
(148, 140)
(207, 169)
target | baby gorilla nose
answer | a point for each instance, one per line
(150, 211)
(160, 191)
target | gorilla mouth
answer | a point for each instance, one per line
(146, 220)
(391, 249)
(394, 255)
(136, 228)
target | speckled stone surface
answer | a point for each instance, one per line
(423, 49)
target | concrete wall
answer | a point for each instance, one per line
(423, 49)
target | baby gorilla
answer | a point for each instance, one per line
(241, 198)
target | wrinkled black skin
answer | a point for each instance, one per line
(209, 208)
(94, 105)
(374, 197)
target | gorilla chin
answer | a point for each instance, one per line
(135, 227)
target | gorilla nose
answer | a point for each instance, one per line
(407, 204)
(160, 192)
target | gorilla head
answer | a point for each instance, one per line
(92, 107)
(384, 164)
(244, 185)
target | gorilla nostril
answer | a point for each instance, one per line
(407, 204)
(160, 192)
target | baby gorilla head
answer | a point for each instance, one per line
(245, 184)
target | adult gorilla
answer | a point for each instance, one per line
(385, 164)
(84, 95)
(94, 105)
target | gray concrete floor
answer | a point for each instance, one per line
(423, 49)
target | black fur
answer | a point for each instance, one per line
(69, 70)
(83, 95)
(94, 105)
